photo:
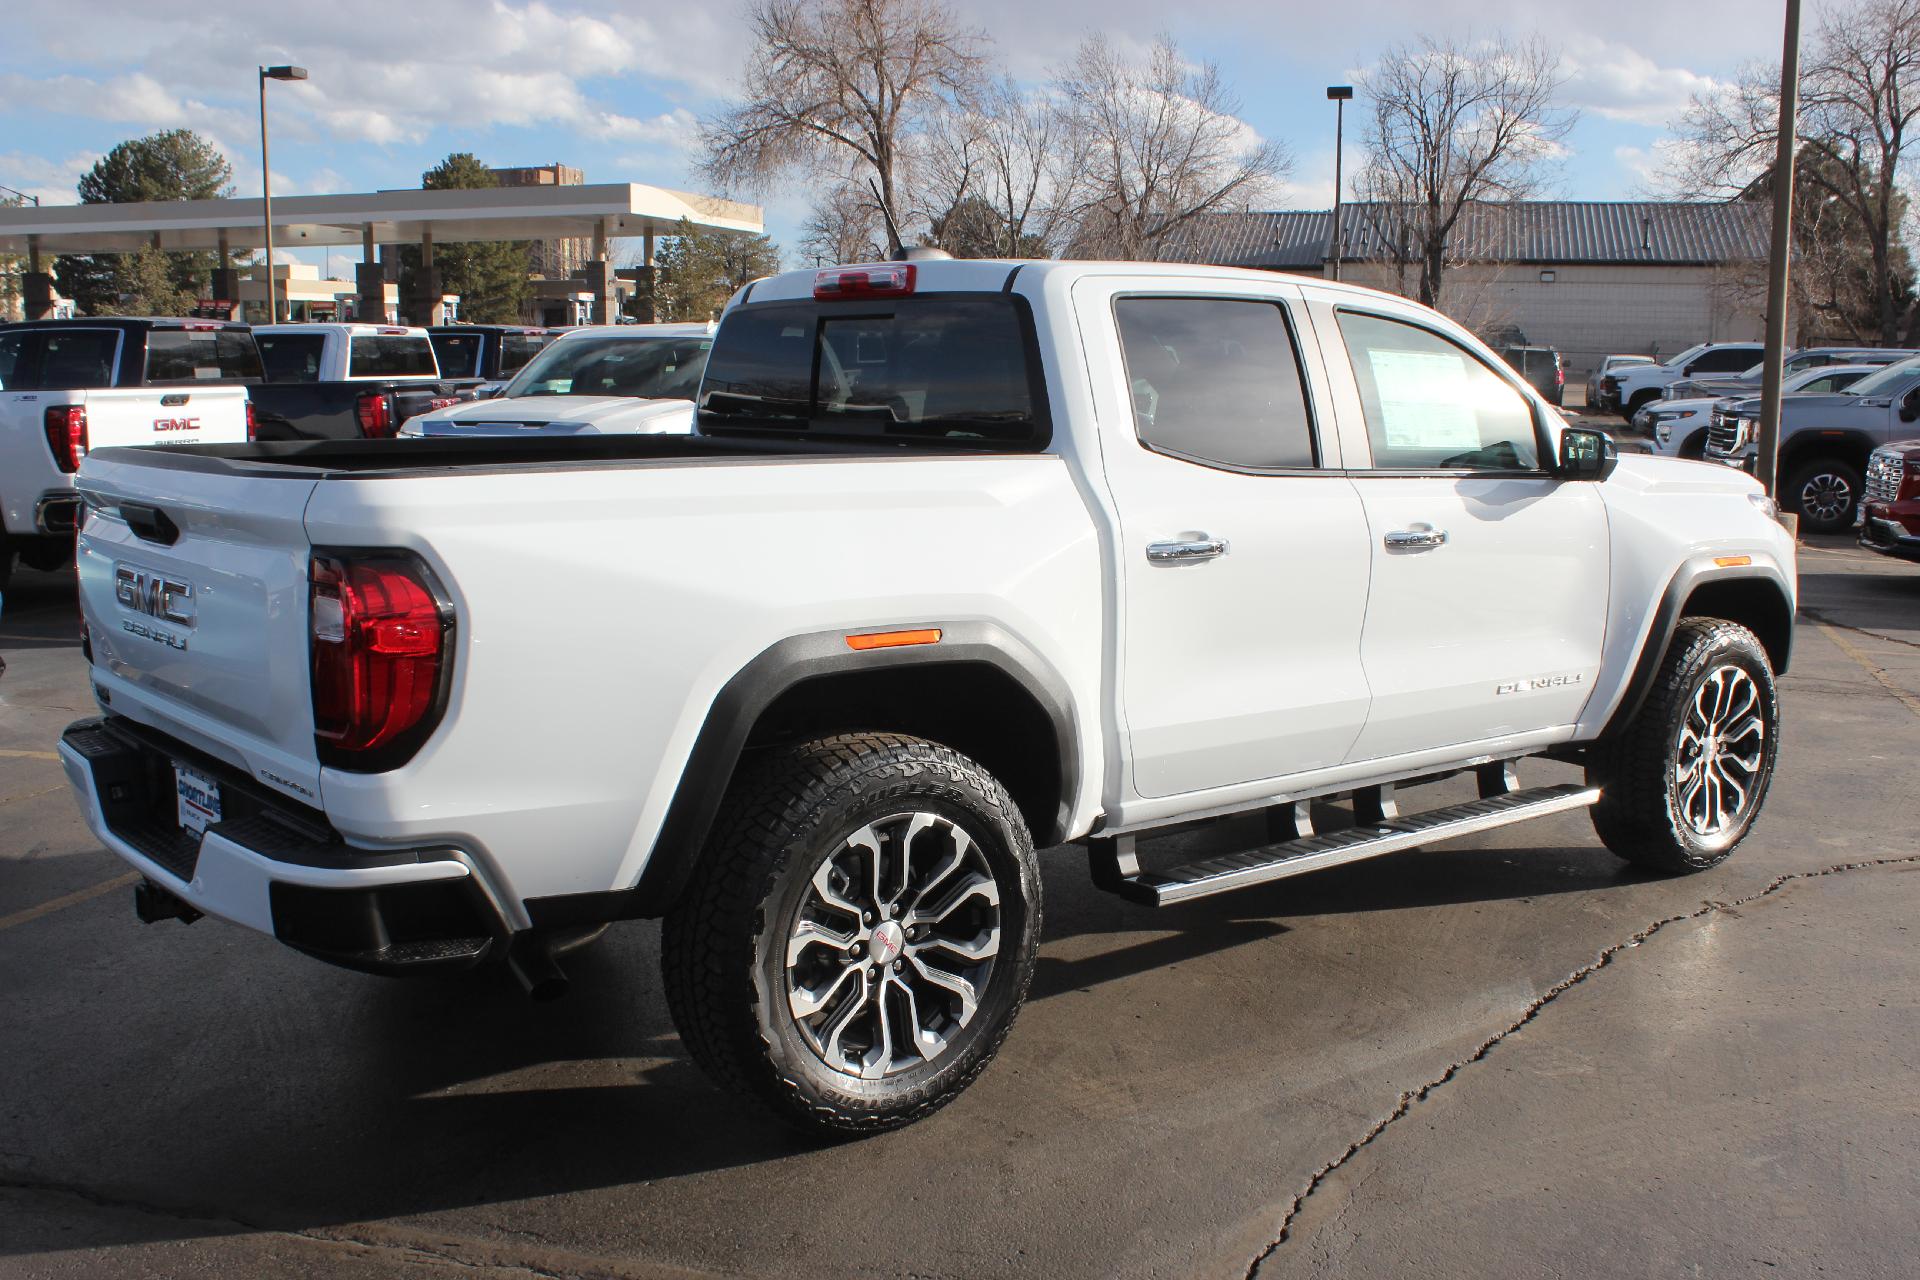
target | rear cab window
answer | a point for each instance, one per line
(457, 354)
(390, 355)
(518, 348)
(16, 361)
(953, 369)
(291, 357)
(78, 359)
(200, 355)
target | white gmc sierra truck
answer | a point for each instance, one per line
(965, 559)
(68, 386)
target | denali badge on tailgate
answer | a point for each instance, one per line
(154, 594)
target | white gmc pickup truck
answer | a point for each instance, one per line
(67, 386)
(965, 559)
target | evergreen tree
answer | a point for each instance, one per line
(144, 284)
(491, 279)
(176, 164)
(698, 270)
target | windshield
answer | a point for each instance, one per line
(661, 368)
(1875, 384)
(1685, 357)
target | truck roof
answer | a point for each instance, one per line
(349, 327)
(130, 323)
(996, 274)
(692, 329)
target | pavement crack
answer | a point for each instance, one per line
(1409, 1099)
(1825, 621)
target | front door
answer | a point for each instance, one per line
(1488, 603)
(1242, 549)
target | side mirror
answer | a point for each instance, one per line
(1586, 454)
(1910, 405)
(1688, 372)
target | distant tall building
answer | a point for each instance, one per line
(552, 259)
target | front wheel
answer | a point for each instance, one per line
(859, 935)
(1824, 492)
(1682, 782)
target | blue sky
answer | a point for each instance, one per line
(616, 88)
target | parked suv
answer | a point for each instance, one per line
(966, 560)
(1679, 427)
(1541, 368)
(1629, 388)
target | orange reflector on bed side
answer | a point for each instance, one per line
(894, 639)
(1732, 562)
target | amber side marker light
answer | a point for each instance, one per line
(894, 639)
(1732, 562)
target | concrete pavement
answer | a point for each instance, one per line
(1508, 1056)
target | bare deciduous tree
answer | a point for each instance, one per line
(1860, 99)
(1003, 178)
(839, 85)
(1156, 145)
(845, 226)
(1454, 126)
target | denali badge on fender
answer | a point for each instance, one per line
(148, 592)
(1537, 683)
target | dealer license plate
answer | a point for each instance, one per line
(199, 798)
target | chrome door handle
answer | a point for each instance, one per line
(1416, 539)
(1202, 548)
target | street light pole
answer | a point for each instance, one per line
(22, 195)
(1339, 95)
(266, 182)
(1767, 448)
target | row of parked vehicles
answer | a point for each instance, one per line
(1849, 417)
(70, 386)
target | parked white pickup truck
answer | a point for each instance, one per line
(67, 386)
(631, 379)
(966, 558)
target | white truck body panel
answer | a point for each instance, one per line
(556, 415)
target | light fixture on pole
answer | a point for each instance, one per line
(266, 181)
(1339, 95)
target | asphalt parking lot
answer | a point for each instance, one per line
(1505, 1056)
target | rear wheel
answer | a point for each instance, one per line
(1824, 492)
(859, 935)
(1683, 781)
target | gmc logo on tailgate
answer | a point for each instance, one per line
(153, 594)
(176, 424)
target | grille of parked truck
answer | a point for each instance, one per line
(963, 560)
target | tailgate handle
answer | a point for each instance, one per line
(150, 523)
(175, 400)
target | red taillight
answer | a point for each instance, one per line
(379, 654)
(887, 280)
(1559, 377)
(253, 424)
(375, 411)
(67, 435)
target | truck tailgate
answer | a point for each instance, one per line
(166, 416)
(194, 589)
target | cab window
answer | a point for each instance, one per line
(1216, 381)
(1431, 404)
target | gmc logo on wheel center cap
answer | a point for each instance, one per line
(152, 593)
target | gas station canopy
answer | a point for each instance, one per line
(606, 210)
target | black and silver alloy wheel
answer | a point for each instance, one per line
(1682, 781)
(1824, 492)
(1720, 753)
(859, 933)
(894, 940)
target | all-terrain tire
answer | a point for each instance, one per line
(784, 832)
(1646, 812)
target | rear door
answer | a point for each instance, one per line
(193, 586)
(1487, 606)
(1242, 548)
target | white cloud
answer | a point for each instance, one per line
(1621, 83)
(54, 181)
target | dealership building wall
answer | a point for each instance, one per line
(1591, 278)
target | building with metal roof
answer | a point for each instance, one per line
(1589, 277)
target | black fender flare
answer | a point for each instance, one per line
(1695, 573)
(738, 705)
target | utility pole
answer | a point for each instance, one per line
(266, 182)
(1339, 95)
(1767, 447)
